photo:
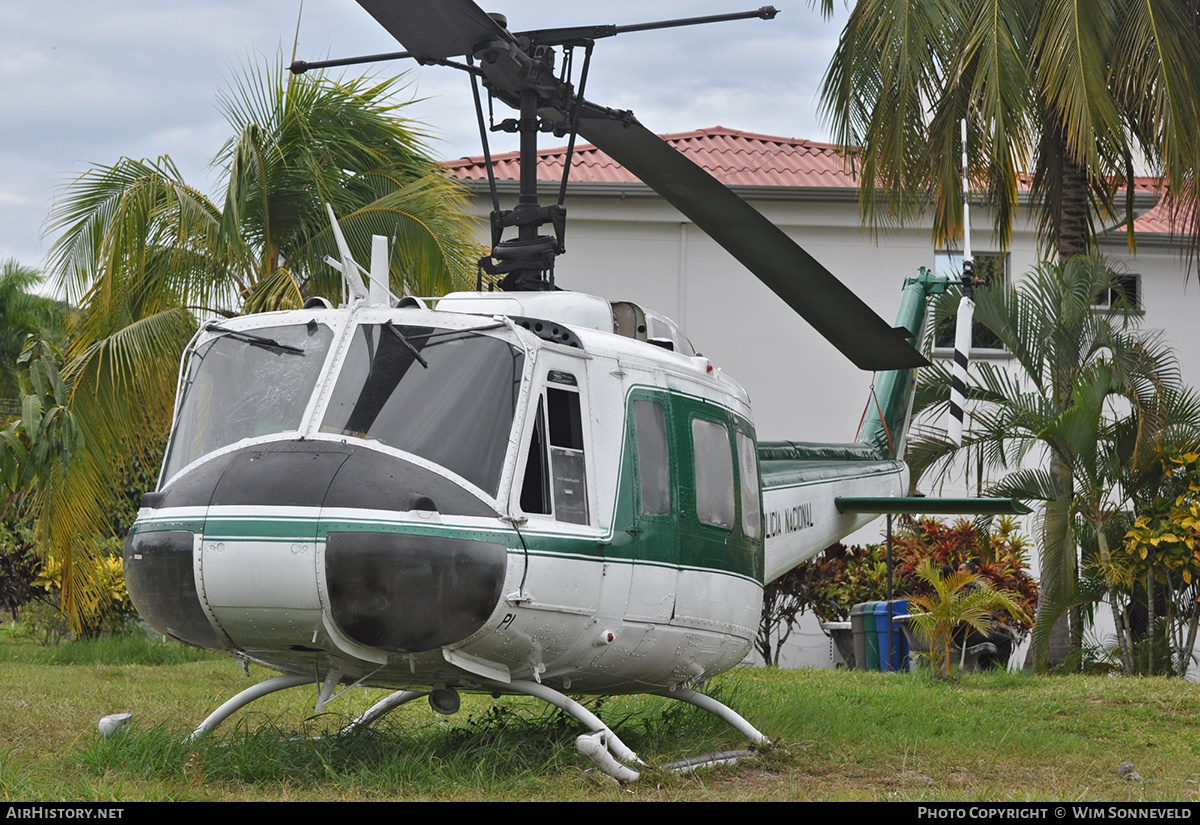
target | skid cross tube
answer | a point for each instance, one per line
(382, 708)
(247, 696)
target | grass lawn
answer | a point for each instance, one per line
(840, 736)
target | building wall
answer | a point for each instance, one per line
(638, 248)
(802, 388)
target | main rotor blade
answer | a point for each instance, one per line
(790, 272)
(580, 34)
(436, 30)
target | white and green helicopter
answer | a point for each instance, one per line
(516, 491)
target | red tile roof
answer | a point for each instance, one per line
(732, 157)
(1161, 221)
(735, 158)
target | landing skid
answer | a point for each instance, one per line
(603, 747)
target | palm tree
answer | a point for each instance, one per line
(1074, 362)
(42, 434)
(959, 601)
(144, 256)
(1112, 460)
(22, 313)
(1069, 92)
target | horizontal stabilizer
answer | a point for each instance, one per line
(923, 505)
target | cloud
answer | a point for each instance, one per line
(88, 83)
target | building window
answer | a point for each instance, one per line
(1128, 288)
(988, 265)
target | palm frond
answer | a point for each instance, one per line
(144, 254)
(876, 94)
(1058, 94)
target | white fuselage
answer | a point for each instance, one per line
(594, 596)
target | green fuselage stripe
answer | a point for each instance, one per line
(625, 549)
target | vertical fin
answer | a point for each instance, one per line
(885, 422)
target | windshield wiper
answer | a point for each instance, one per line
(392, 329)
(425, 336)
(255, 340)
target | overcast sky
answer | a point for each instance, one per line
(85, 83)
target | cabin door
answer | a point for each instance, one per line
(556, 489)
(654, 495)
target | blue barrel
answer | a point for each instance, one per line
(899, 659)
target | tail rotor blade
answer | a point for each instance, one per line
(958, 381)
(966, 312)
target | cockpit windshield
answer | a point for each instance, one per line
(246, 384)
(446, 395)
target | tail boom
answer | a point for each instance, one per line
(801, 481)
(799, 508)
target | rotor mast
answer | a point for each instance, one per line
(518, 69)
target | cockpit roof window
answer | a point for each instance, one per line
(445, 395)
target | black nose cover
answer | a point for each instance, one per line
(390, 587)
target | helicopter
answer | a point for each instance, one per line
(516, 490)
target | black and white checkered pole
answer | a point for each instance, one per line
(966, 313)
